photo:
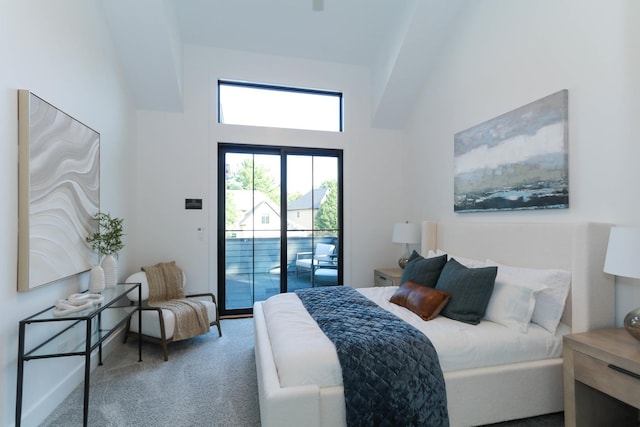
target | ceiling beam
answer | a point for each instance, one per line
(148, 42)
(404, 64)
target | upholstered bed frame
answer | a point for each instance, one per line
(483, 395)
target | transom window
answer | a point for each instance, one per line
(253, 104)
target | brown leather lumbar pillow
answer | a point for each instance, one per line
(424, 301)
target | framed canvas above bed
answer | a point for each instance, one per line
(516, 161)
(59, 192)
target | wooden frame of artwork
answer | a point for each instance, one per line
(516, 161)
(58, 192)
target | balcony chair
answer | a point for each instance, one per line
(322, 256)
(159, 324)
(326, 276)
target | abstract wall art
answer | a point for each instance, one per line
(59, 192)
(516, 161)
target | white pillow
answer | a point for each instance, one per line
(467, 262)
(511, 305)
(550, 301)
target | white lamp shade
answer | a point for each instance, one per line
(623, 252)
(406, 232)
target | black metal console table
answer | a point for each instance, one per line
(77, 334)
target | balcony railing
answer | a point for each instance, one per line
(252, 268)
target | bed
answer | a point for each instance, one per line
(475, 395)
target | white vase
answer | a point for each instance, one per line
(110, 267)
(96, 279)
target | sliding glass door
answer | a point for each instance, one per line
(279, 222)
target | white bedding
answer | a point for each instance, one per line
(298, 343)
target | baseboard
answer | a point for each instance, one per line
(236, 316)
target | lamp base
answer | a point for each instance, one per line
(402, 262)
(404, 259)
(632, 323)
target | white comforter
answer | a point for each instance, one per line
(304, 355)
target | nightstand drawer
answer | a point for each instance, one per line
(382, 280)
(387, 277)
(624, 386)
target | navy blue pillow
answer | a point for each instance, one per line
(470, 290)
(423, 271)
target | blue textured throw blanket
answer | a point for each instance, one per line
(390, 370)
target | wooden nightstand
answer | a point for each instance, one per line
(387, 276)
(601, 378)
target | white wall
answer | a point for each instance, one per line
(60, 51)
(506, 53)
(178, 160)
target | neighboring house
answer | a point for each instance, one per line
(257, 215)
(304, 209)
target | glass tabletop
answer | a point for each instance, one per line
(110, 295)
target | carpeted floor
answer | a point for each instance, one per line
(208, 381)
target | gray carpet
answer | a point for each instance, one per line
(208, 381)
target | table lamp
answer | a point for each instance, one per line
(407, 233)
(623, 259)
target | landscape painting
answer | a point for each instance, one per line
(59, 192)
(516, 161)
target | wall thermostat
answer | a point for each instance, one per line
(193, 203)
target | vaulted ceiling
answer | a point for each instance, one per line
(398, 40)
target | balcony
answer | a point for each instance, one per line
(256, 278)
